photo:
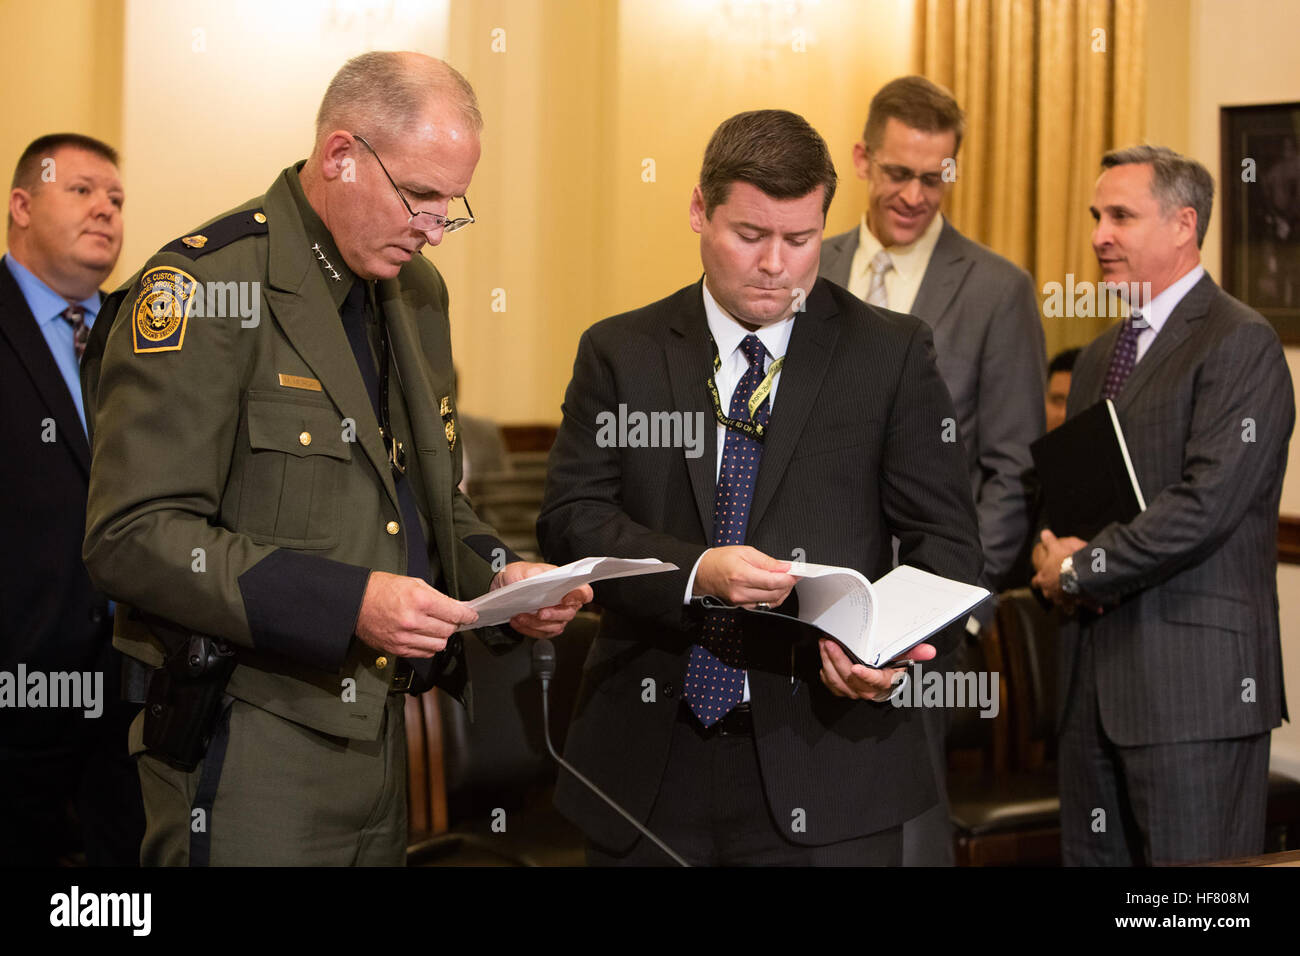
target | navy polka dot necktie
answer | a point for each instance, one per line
(1124, 357)
(715, 676)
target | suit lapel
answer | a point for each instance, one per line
(812, 341)
(838, 257)
(943, 277)
(305, 312)
(1174, 332)
(416, 382)
(18, 326)
(690, 360)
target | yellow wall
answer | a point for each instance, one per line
(209, 99)
(586, 91)
(221, 95)
(1237, 52)
(64, 80)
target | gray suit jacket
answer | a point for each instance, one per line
(1188, 647)
(983, 311)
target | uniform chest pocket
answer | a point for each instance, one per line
(292, 487)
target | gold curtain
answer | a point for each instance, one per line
(1047, 86)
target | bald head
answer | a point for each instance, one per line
(386, 95)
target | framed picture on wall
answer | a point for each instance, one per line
(1260, 179)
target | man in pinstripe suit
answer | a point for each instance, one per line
(1171, 666)
(798, 759)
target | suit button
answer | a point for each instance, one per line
(304, 438)
(392, 527)
(669, 690)
(96, 615)
(381, 662)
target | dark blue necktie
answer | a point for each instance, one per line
(715, 676)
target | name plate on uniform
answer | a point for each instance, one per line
(299, 381)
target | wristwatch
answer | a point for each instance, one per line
(1069, 577)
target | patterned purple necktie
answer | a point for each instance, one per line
(75, 316)
(1124, 357)
(715, 677)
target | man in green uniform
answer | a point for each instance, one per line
(273, 491)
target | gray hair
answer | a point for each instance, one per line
(384, 94)
(1176, 181)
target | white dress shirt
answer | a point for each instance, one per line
(903, 282)
(727, 334)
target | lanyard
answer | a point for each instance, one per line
(750, 428)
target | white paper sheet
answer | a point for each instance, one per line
(549, 587)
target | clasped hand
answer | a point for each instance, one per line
(1047, 556)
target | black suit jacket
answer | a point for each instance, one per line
(1189, 648)
(51, 617)
(854, 454)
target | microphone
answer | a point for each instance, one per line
(544, 670)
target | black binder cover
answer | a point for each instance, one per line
(1086, 475)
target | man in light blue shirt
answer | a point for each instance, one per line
(62, 721)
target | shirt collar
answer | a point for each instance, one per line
(728, 333)
(46, 304)
(318, 235)
(1163, 305)
(910, 260)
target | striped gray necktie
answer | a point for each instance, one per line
(880, 264)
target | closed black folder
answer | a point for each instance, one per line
(1086, 474)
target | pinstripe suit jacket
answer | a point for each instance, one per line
(854, 453)
(1188, 648)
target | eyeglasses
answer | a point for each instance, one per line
(421, 221)
(901, 176)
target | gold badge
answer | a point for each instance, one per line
(448, 421)
(162, 309)
(195, 242)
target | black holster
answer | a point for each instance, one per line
(185, 699)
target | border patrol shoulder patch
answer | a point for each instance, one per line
(162, 309)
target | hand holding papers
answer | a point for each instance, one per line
(549, 587)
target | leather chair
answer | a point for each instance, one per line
(1008, 813)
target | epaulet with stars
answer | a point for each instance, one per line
(249, 222)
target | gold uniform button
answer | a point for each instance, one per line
(392, 527)
(381, 662)
(259, 217)
(304, 438)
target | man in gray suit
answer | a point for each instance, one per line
(1169, 696)
(983, 310)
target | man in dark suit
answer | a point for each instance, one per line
(65, 232)
(983, 312)
(730, 741)
(1169, 696)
